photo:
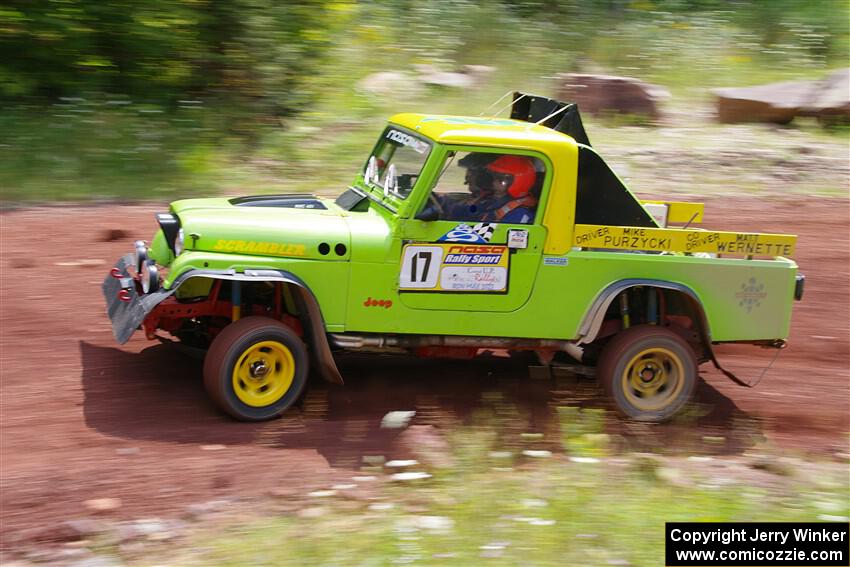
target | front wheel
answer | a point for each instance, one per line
(650, 372)
(255, 369)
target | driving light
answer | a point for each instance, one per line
(150, 277)
(140, 255)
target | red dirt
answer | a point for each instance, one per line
(83, 418)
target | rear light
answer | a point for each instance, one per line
(798, 287)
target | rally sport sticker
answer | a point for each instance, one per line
(454, 268)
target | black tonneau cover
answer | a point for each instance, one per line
(533, 108)
(601, 196)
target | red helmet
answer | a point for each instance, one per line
(522, 171)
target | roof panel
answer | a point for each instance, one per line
(475, 129)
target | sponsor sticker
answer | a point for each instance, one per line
(454, 268)
(517, 238)
(477, 234)
(555, 261)
(418, 145)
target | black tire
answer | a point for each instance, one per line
(262, 389)
(650, 372)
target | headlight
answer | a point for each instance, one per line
(150, 277)
(140, 255)
(178, 243)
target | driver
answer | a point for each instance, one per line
(512, 180)
(481, 191)
(478, 178)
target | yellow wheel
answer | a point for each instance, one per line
(263, 374)
(650, 372)
(255, 369)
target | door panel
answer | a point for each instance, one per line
(461, 261)
(465, 276)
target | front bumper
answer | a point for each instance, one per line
(126, 316)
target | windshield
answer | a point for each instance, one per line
(397, 162)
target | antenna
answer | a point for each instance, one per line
(511, 103)
(545, 118)
(500, 99)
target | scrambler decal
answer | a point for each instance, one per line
(454, 268)
(251, 247)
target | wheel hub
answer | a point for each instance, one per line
(652, 378)
(649, 374)
(263, 373)
(259, 369)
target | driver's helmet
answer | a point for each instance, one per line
(517, 172)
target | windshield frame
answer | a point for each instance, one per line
(377, 189)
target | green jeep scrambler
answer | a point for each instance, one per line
(459, 234)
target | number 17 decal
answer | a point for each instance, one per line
(454, 267)
(426, 258)
(420, 267)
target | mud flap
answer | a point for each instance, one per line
(126, 316)
(728, 374)
(321, 356)
(737, 380)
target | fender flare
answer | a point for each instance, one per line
(594, 316)
(308, 307)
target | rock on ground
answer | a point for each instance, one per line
(779, 103)
(390, 83)
(830, 100)
(776, 103)
(426, 444)
(468, 77)
(430, 75)
(600, 94)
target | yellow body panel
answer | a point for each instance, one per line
(679, 212)
(684, 240)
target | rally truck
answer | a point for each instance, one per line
(459, 235)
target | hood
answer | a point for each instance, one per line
(292, 226)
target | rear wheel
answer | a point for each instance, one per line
(255, 369)
(650, 372)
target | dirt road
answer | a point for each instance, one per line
(83, 418)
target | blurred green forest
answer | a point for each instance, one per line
(159, 98)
